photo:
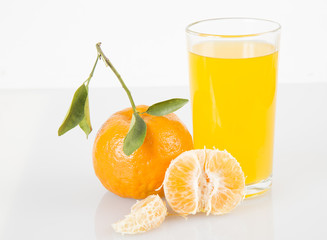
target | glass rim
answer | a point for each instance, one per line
(200, 34)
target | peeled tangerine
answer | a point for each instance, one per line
(205, 180)
(145, 215)
(209, 181)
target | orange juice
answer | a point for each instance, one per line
(233, 94)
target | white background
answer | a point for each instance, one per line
(50, 44)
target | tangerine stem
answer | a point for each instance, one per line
(87, 81)
(108, 63)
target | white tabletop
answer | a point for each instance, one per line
(48, 189)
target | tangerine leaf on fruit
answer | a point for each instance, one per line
(166, 107)
(135, 136)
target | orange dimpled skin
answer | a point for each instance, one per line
(140, 174)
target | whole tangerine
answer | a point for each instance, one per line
(140, 174)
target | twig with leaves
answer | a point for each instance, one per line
(79, 114)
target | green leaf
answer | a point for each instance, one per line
(135, 136)
(166, 107)
(75, 113)
(85, 124)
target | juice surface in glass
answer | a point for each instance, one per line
(233, 93)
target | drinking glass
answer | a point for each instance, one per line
(233, 75)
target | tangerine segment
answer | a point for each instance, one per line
(230, 178)
(205, 180)
(183, 175)
(145, 215)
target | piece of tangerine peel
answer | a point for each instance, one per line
(205, 180)
(145, 215)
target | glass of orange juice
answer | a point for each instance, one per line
(233, 75)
